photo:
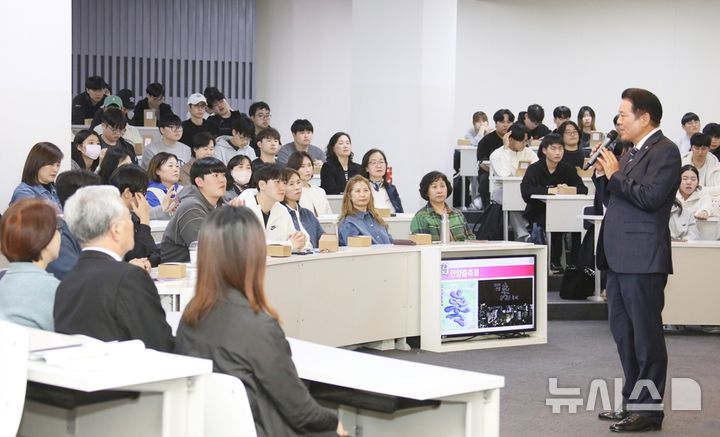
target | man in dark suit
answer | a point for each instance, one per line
(102, 296)
(634, 246)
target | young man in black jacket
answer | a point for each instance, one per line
(544, 177)
(85, 105)
(154, 100)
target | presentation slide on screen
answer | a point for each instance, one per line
(487, 295)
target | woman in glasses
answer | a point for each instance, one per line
(374, 168)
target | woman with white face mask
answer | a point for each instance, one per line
(238, 175)
(313, 197)
(85, 151)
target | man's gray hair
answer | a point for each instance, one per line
(91, 211)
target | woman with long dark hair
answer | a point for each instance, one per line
(339, 167)
(231, 322)
(85, 150)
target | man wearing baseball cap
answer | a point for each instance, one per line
(197, 123)
(124, 101)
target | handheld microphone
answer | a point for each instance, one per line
(611, 136)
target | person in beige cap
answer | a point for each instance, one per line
(197, 123)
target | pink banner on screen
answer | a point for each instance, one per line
(489, 272)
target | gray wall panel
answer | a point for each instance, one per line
(185, 45)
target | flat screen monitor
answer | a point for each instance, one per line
(487, 295)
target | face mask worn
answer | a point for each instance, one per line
(241, 177)
(92, 151)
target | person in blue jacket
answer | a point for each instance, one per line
(359, 216)
(38, 177)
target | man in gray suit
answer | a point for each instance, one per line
(634, 246)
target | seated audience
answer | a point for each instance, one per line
(713, 129)
(479, 129)
(690, 123)
(544, 177)
(208, 178)
(268, 141)
(435, 188)
(374, 168)
(230, 322)
(67, 183)
(132, 182)
(114, 124)
(534, 122)
(302, 132)
(238, 175)
(170, 131)
(561, 114)
(572, 154)
(359, 216)
(683, 224)
(238, 143)
(102, 296)
(259, 113)
(202, 146)
(85, 105)
(706, 163)
(197, 104)
(266, 204)
(506, 162)
(339, 166)
(124, 101)
(38, 177)
(302, 218)
(586, 120)
(30, 240)
(313, 197)
(223, 115)
(503, 119)
(153, 100)
(85, 151)
(164, 174)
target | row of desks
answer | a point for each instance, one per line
(173, 392)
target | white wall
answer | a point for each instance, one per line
(383, 71)
(303, 64)
(584, 52)
(34, 83)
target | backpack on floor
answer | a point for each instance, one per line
(490, 226)
(577, 283)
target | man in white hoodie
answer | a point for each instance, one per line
(505, 162)
(275, 218)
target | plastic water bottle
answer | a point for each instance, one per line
(444, 229)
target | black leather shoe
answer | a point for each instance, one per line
(635, 423)
(613, 415)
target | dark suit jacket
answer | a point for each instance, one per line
(111, 300)
(332, 176)
(252, 347)
(635, 237)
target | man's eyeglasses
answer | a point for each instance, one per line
(116, 130)
(263, 115)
